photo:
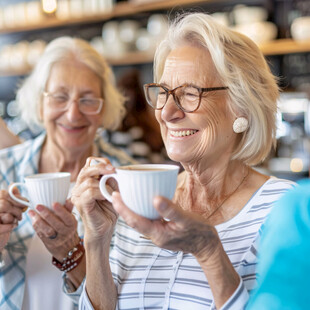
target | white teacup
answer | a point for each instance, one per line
(139, 184)
(44, 189)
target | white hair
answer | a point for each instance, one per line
(29, 95)
(253, 90)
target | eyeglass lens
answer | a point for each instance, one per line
(61, 102)
(187, 97)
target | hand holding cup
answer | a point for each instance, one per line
(44, 189)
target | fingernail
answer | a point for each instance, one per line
(94, 162)
(109, 167)
(39, 208)
(31, 213)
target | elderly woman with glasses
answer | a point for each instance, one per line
(70, 93)
(215, 100)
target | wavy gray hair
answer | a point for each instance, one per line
(253, 90)
(29, 95)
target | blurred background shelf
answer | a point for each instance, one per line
(285, 46)
(23, 39)
(276, 47)
(121, 9)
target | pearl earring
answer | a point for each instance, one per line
(240, 125)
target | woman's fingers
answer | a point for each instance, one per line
(7, 218)
(59, 219)
(8, 205)
(16, 193)
(140, 223)
(168, 210)
(102, 167)
(6, 228)
(69, 205)
(42, 228)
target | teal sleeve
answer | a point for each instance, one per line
(284, 261)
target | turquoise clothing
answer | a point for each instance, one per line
(284, 265)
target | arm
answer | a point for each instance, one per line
(189, 233)
(99, 219)
(7, 136)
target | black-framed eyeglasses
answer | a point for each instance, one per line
(60, 102)
(187, 97)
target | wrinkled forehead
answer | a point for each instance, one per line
(189, 64)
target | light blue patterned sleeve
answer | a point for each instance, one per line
(238, 299)
(85, 303)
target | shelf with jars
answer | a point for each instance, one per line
(18, 59)
(276, 47)
(28, 16)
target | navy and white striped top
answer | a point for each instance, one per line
(148, 277)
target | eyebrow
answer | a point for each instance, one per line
(188, 84)
(66, 89)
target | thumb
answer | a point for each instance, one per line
(167, 209)
(69, 205)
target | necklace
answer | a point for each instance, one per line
(230, 194)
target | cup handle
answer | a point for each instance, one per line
(102, 185)
(14, 197)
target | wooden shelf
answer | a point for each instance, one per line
(132, 58)
(285, 46)
(127, 8)
(277, 47)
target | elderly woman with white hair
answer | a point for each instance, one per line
(216, 101)
(70, 93)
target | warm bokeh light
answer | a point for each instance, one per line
(49, 6)
(296, 165)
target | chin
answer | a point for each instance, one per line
(176, 156)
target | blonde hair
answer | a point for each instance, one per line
(29, 95)
(253, 90)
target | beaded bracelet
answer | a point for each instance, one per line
(72, 260)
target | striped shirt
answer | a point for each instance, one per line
(16, 163)
(148, 277)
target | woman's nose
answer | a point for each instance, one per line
(73, 112)
(171, 111)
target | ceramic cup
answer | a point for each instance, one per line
(44, 189)
(139, 184)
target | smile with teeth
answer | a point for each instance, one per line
(182, 133)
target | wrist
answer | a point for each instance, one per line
(209, 253)
(92, 242)
(72, 260)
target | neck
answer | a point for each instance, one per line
(62, 159)
(206, 192)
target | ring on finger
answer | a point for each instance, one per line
(53, 236)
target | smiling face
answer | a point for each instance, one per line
(71, 130)
(205, 134)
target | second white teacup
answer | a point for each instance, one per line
(139, 184)
(44, 189)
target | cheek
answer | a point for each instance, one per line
(96, 121)
(48, 116)
(158, 115)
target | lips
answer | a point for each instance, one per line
(182, 133)
(72, 128)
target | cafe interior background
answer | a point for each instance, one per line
(126, 33)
